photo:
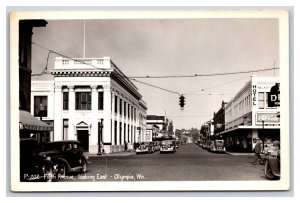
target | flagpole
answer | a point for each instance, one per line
(83, 38)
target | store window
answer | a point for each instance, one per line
(40, 106)
(83, 101)
(261, 100)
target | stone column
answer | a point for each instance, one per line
(112, 118)
(118, 121)
(107, 112)
(122, 119)
(130, 123)
(71, 134)
(94, 129)
(127, 120)
(58, 127)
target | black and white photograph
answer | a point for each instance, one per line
(150, 100)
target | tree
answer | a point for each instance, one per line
(195, 134)
(170, 128)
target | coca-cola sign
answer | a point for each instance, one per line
(268, 117)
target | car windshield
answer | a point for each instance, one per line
(52, 146)
(167, 142)
(28, 146)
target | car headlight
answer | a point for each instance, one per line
(43, 155)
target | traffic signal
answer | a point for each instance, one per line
(181, 101)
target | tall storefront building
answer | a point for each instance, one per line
(92, 101)
(253, 113)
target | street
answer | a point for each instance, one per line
(189, 163)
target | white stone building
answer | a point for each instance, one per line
(91, 100)
(253, 113)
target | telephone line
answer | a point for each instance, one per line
(63, 55)
(166, 76)
(155, 86)
(205, 75)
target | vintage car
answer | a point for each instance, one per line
(217, 146)
(67, 156)
(145, 147)
(34, 166)
(272, 163)
(168, 146)
(156, 146)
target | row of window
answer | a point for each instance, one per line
(130, 111)
(245, 105)
(123, 127)
(83, 101)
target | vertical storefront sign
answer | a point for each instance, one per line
(274, 96)
(254, 95)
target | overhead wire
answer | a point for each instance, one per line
(133, 78)
(64, 55)
(46, 66)
(155, 86)
(205, 75)
(212, 87)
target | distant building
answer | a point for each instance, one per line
(152, 133)
(219, 120)
(92, 101)
(253, 113)
(159, 121)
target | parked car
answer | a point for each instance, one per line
(217, 146)
(145, 147)
(156, 146)
(272, 164)
(168, 146)
(34, 166)
(67, 156)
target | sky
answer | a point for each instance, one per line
(163, 47)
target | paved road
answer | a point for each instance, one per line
(189, 163)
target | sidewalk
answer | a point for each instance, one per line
(240, 153)
(129, 153)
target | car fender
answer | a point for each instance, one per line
(84, 158)
(275, 165)
(62, 160)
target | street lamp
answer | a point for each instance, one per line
(263, 135)
(99, 137)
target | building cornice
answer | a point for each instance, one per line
(81, 73)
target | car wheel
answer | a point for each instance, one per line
(268, 171)
(48, 174)
(83, 165)
(61, 170)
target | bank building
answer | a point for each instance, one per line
(92, 101)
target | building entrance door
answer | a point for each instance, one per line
(83, 138)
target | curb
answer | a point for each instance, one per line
(111, 155)
(239, 153)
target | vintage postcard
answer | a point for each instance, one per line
(158, 100)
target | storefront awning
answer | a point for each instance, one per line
(29, 122)
(266, 127)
